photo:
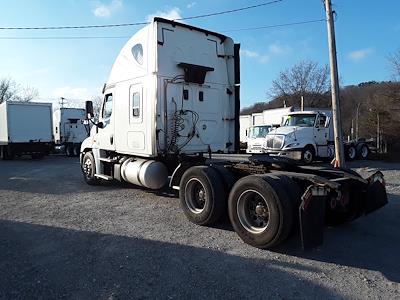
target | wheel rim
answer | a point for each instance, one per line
(253, 211)
(88, 167)
(308, 156)
(364, 152)
(352, 152)
(195, 196)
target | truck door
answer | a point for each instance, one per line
(105, 136)
(321, 135)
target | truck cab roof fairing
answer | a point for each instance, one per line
(136, 57)
(133, 59)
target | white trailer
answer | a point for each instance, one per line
(69, 129)
(173, 96)
(276, 116)
(245, 124)
(257, 119)
(25, 128)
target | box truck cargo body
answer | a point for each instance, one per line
(69, 129)
(245, 124)
(25, 128)
(172, 97)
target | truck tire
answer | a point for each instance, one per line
(88, 167)
(7, 153)
(260, 211)
(69, 150)
(294, 193)
(76, 150)
(202, 195)
(363, 151)
(37, 155)
(351, 152)
(227, 177)
(308, 154)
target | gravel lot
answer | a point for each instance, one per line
(60, 238)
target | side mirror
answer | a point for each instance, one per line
(89, 109)
(100, 125)
(328, 119)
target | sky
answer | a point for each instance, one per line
(367, 32)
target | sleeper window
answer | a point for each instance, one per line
(136, 104)
(137, 52)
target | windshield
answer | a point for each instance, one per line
(306, 120)
(259, 131)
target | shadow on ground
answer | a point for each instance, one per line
(371, 242)
(45, 262)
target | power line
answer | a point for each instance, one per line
(140, 23)
(277, 25)
(229, 11)
(62, 37)
(126, 37)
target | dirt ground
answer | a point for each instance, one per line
(60, 238)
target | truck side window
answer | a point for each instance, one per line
(136, 104)
(321, 121)
(107, 109)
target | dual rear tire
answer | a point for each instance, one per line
(262, 208)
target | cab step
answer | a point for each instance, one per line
(109, 160)
(105, 177)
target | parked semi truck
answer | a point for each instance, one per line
(69, 130)
(25, 128)
(306, 135)
(172, 98)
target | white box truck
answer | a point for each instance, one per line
(306, 135)
(173, 96)
(25, 128)
(69, 130)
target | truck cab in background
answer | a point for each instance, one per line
(256, 138)
(304, 136)
(69, 130)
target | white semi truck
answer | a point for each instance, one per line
(306, 135)
(69, 130)
(173, 97)
(25, 128)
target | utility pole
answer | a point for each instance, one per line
(378, 134)
(62, 102)
(337, 126)
(302, 103)
(357, 116)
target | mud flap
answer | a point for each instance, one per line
(376, 193)
(312, 217)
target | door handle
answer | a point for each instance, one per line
(111, 139)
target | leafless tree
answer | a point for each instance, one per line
(394, 60)
(11, 91)
(27, 94)
(8, 89)
(304, 78)
(97, 101)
